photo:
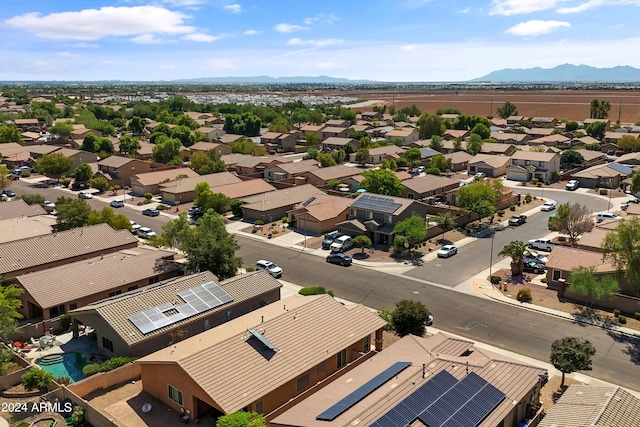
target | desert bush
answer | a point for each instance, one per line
(543, 280)
(25, 174)
(161, 207)
(547, 182)
(528, 198)
(250, 269)
(512, 208)
(622, 320)
(258, 222)
(9, 368)
(148, 196)
(524, 295)
(285, 220)
(36, 379)
(495, 280)
(603, 191)
(534, 181)
(616, 313)
(314, 290)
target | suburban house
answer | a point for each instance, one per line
(206, 146)
(422, 187)
(24, 124)
(406, 136)
(413, 383)
(591, 157)
(510, 138)
(538, 132)
(212, 133)
(23, 227)
(338, 143)
(149, 182)
(375, 216)
(491, 165)
(614, 137)
(244, 164)
(265, 341)
(337, 123)
(320, 177)
(228, 138)
(314, 129)
(336, 132)
(450, 117)
(607, 175)
(31, 138)
(371, 115)
(80, 134)
(116, 320)
(121, 169)
(518, 121)
(274, 205)
(544, 122)
(592, 405)
(18, 208)
(451, 134)
(376, 155)
(526, 165)
(278, 141)
(553, 140)
(631, 159)
(498, 148)
(79, 157)
(320, 213)
(184, 190)
(83, 282)
(607, 122)
(282, 171)
(459, 160)
(39, 150)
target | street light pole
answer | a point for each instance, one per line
(610, 190)
(493, 233)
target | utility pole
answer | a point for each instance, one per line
(619, 110)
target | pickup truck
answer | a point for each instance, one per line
(517, 219)
(342, 244)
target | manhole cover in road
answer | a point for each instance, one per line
(469, 326)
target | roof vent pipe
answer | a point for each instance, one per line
(424, 367)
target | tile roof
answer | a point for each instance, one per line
(280, 198)
(189, 184)
(566, 259)
(115, 161)
(298, 167)
(496, 147)
(506, 136)
(336, 140)
(587, 405)
(229, 137)
(24, 227)
(533, 156)
(325, 206)
(116, 311)
(335, 172)
(92, 276)
(18, 207)
(151, 178)
(271, 135)
(590, 155)
(600, 171)
(436, 353)
(423, 184)
(311, 128)
(305, 330)
(386, 149)
(458, 157)
(238, 190)
(204, 146)
(400, 133)
(628, 157)
(35, 251)
(42, 149)
(493, 160)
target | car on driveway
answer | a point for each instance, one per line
(447, 250)
(49, 205)
(341, 244)
(340, 259)
(535, 267)
(4, 197)
(535, 256)
(134, 226)
(85, 195)
(151, 212)
(146, 233)
(271, 267)
(517, 220)
(329, 239)
(572, 185)
(116, 204)
(548, 206)
(541, 244)
(8, 192)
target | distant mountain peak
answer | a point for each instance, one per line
(564, 73)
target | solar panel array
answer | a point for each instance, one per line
(197, 300)
(446, 402)
(376, 203)
(625, 170)
(363, 391)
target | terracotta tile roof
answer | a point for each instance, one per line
(438, 352)
(588, 405)
(41, 149)
(189, 184)
(18, 207)
(423, 184)
(566, 259)
(335, 172)
(403, 175)
(593, 239)
(458, 157)
(115, 161)
(400, 133)
(151, 178)
(116, 311)
(204, 146)
(590, 155)
(280, 198)
(289, 325)
(35, 251)
(92, 276)
(387, 149)
(238, 190)
(493, 160)
(298, 167)
(533, 156)
(24, 227)
(325, 206)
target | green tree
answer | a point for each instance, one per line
(313, 153)
(362, 156)
(298, 117)
(10, 133)
(339, 156)
(183, 133)
(506, 110)
(571, 158)
(457, 144)
(242, 419)
(441, 162)
(622, 247)
(63, 130)
(599, 109)
(445, 221)
(37, 379)
(571, 126)
(207, 199)
(635, 183)
(629, 143)
(436, 143)
(474, 144)
(10, 302)
(279, 125)
(72, 213)
(571, 354)
(479, 198)
(482, 130)
(311, 138)
(413, 156)
(326, 159)
(515, 250)
(246, 146)
(410, 317)
(413, 229)
(90, 143)
(54, 164)
(573, 220)
(129, 145)
(83, 173)
(4, 178)
(362, 242)
(596, 130)
(136, 125)
(429, 125)
(207, 246)
(107, 216)
(33, 199)
(584, 281)
(381, 181)
(100, 183)
(167, 150)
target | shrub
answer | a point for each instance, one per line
(108, 365)
(543, 280)
(534, 181)
(36, 379)
(603, 191)
(63, 380)
(637, 315)
(25, 174)
(258, 222)
(275, 232)
(512, 208)
(524, 184)
(90, 369)
(285, 220)
(254, 230)
(148, 196)
(66, 182)
(495, 280)
(528, 198)
(616, 313)
(250, 269)
(314, 290)
(161, 207)
(500, 213)
(622, 320)
(65, 321)
(77, 416)
(547, 182)
(9, 368)
(387, 316)
(524, 295)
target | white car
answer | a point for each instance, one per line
(49, 204)
(134, 226)
(572, 185)
(146, 233)
(420, 169)
(447, 250)
(548, 206)
(271, 267)
(4, 197)
(541, 244)
(536, 256)
(85, 195)
(341, 244)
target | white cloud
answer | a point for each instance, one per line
(66, 54)
(83, 45)
(465, 10)
(329, 19)
(410, 47)
(146, 39)
(536, 28)
(233, 8)
(415, 4)
(251, 32)
(201, 37)
(185, 3)
(519, 7)
(221, 64)
(314, 43)
(288, 28)
(94, 24)
(582, 7)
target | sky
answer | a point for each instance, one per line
(380, 40)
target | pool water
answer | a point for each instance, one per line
(64, 365)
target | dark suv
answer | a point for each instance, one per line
(329, 238)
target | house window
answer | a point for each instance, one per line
(302, 383)
(107, 344)
(114, 293)
(369, 215)
(227, 315)
(260, 406)
(409, 195)
(366, 344)
(73, 306)
(388, 219)
(556, 275)
(175, 394)
(353, 212)
(205, 325)
(132, 288)
(541, 164)
(341, 358)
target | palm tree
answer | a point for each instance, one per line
(445, 221)
(515, 249)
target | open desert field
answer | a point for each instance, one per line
(562, 104)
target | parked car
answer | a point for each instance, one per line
(340, 259)
(271, 267)
(517, 220)
(116, 204)
(429, 321)
(151, 212)
(49, 205)
(146, 233)
(4, 197)
(479, 175)
(134, 226)
(535, 256)
(341, 244)
(601, 216)
(541, 244)
(329, 238)
(447, 250)
(420, 169)
(572, 185)
(548, 206)
(85, 195)
(534, 266)
(8, 192)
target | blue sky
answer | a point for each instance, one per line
(386, 40)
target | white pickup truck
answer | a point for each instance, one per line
(342, 244)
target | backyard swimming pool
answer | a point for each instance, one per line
(64, 365)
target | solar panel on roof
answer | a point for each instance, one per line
(376, 203)
(363, 391)
(625, 170)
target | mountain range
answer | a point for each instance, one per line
(564, 73)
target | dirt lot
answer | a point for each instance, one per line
(570, 104)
